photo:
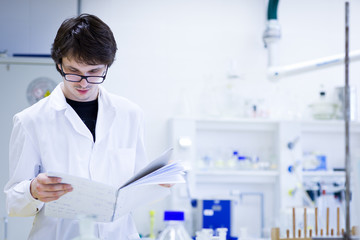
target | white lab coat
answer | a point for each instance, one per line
(50, 136)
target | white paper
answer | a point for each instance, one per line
(131, 197)
(107, 203)
(87, 198)
(154, 165)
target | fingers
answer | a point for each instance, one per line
(166, 185)
(44, 179)
(53, 187)
(51, 196)
(46, 193)
(48, 189)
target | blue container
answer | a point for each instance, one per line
(174, 216)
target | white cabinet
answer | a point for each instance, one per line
(279, 144)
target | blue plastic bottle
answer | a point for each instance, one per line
(174, 229)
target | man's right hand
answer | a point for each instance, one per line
(48, 189)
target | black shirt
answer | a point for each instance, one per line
(87, 111)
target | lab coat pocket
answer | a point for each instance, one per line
(122, 164)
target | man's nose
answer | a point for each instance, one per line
(83, 82)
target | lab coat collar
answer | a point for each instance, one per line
(106, 114)
(57, 98)
(105, 117)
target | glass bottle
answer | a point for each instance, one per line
(174, 229)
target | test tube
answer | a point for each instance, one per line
(327, 221)
(305, 225)
(316, 221)
(294, 231)
(338, 222)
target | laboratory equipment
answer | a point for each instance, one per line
(323, 109)
(244, 163)
(276, 72)
(272, 33)
(271, 37)
(347, 124)
(217, 214)
(210, 234)
(314, 162)
(222, 233)
(307, 233)
(152, 223)
(340, 98)
(232, 162)
(204, 234)
(3, 53)
(174, 229)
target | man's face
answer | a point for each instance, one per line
(81, 91)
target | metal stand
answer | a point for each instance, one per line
(347, 125)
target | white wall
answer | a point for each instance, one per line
(172, 53)
(169, 50)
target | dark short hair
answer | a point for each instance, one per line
(85, 38)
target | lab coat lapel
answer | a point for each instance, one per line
(77, 123)
(106, 115)
(59, 103)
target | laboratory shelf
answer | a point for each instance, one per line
(27, 60)
(322, 175)
(218, 176)
(233, 124)
(211, 140)
(329, 126)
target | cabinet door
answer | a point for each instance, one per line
(15, 78)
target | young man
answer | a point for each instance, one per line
(80, 129)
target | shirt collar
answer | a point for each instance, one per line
(58, 100)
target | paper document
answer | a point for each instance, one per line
(107, 203)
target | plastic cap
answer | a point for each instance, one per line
(173, 216)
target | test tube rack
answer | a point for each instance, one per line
(308, 234)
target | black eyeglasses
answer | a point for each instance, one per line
(78, 78)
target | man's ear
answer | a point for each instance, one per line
(58, 66)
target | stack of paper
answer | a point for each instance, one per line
(107, 203)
